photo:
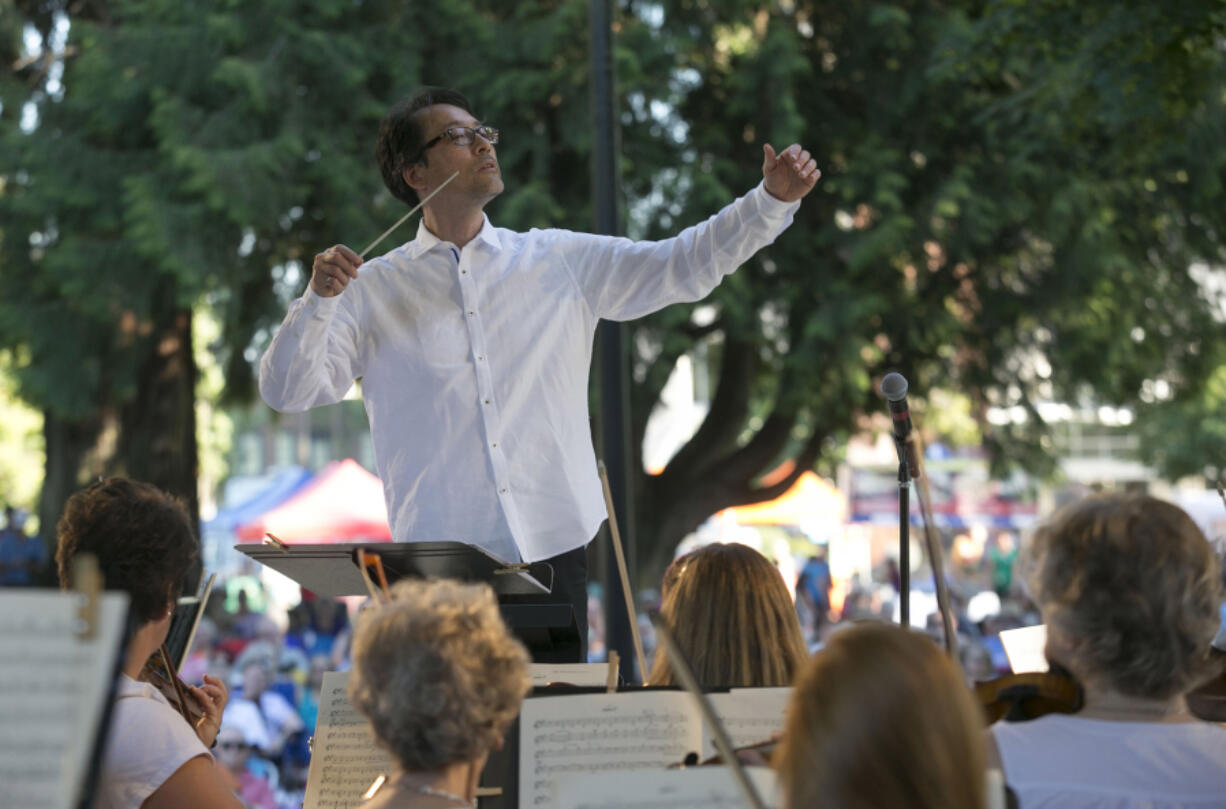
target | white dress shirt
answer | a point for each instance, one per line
(474, 366)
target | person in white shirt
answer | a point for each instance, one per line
(266, 718)
(474, 342)
(153, 757)
(1129, 589)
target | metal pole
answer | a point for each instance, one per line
(904, 543)
(614, 367)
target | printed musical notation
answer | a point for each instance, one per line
(345, 759)
(593, 733)
(694, 788)
(56, 689)
(749, 715)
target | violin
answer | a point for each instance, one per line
(159, 671)
(757, 754)
(1019, 697)
(1208, 700)
(1029, 695)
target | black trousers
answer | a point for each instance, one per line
(569, 587)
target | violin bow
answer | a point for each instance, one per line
(628, 596)
(935, 558)
(719, 735)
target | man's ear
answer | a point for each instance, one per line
(412, 175)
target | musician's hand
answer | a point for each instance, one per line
(789, 175)
(333, 269)
(213, 696)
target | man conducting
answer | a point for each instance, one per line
(474, 342)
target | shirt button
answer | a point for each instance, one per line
(487, 401)
(463, 272)
(494, 444)
(502, 491)
(470, 312)
(480, 358)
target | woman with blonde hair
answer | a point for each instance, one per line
(1129, 589)
(880, 718)
(733, 618)
(440, 678)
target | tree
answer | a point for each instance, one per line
(1013, 196)
(173, 155)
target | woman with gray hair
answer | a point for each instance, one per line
(440, 678)
(1129, 589)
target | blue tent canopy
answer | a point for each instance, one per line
(280, 488)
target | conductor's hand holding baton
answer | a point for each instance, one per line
(333, 269)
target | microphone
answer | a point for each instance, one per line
(894, 389)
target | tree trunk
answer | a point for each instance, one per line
(157, 438)
(152, 438)
(72, 459)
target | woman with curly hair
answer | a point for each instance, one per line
(733, 618)
(440, 678)
(1129, 589)
(144, 544)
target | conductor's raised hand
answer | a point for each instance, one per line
(333, 269)
(789, 175)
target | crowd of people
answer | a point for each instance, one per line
(1128, 586)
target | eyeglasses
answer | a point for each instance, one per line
(461, 136)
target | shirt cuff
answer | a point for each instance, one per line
(771, 205)
(318, 303)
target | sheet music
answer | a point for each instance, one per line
(345, 759)
(1026, 648)
(569, 673)
(749, 715)
(56, 688)
(693, 788)
(591, 733)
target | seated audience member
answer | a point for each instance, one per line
(308, 705)
(22, 556)
(144, 545)
(733, 619)
(266, 719)
(439, 677)
(233, 753)
(880, 718)
(1129, 589)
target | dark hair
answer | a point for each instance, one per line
(400, 137)
(142, 537)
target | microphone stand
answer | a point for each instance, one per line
(904, 531)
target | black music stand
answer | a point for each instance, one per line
(549, 630)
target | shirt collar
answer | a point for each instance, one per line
(427, 241)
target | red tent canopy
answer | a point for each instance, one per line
(344, 503)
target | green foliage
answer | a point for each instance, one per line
(1012, 194)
